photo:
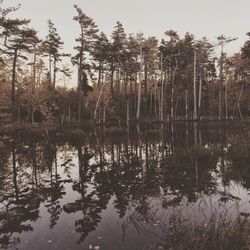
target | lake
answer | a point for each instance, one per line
(171, 186)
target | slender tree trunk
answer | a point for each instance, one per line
(195, 96)
(220, 94)
(80, 68)
(98, 101)
(162, 93)
(19, 113)
(15, 175)
(151, 102)
(155, 101)
(104, 115)
(99, 115)
(80, 88)
(128, 118)
(33, 86)
(186, 104)
(79, 94)
(139, 88)
(54, 76)
(118, 79)
(221, 83)
(146, 78)
(112, 81)
(62, 118)
(126, 86)
(200, 97)
(50, 69)
(32, 116)
(172, 101)
(14, 77)
(172, 92)
(238, 102)
(226, 104)
(69, 114)
(159, 104)
(99, 75)
(176, 106)
(34, 71)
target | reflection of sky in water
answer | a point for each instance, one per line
(150, 209)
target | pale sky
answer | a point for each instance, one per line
(209, 18)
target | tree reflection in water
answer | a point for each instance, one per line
(147, 178)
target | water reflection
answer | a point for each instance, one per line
(144, 185)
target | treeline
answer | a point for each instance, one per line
(124, 77)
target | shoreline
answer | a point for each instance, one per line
(47, 129)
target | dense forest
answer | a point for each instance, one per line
(124, 77)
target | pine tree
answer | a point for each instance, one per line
(5, 11)
(245, 50)
(100, 55)
(51, 47)
(117, 54)
(170, 50)
(18, 39)
(85, 42)
(150, 59)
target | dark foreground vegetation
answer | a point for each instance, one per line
(121, 78)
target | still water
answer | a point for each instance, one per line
(165, 187)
